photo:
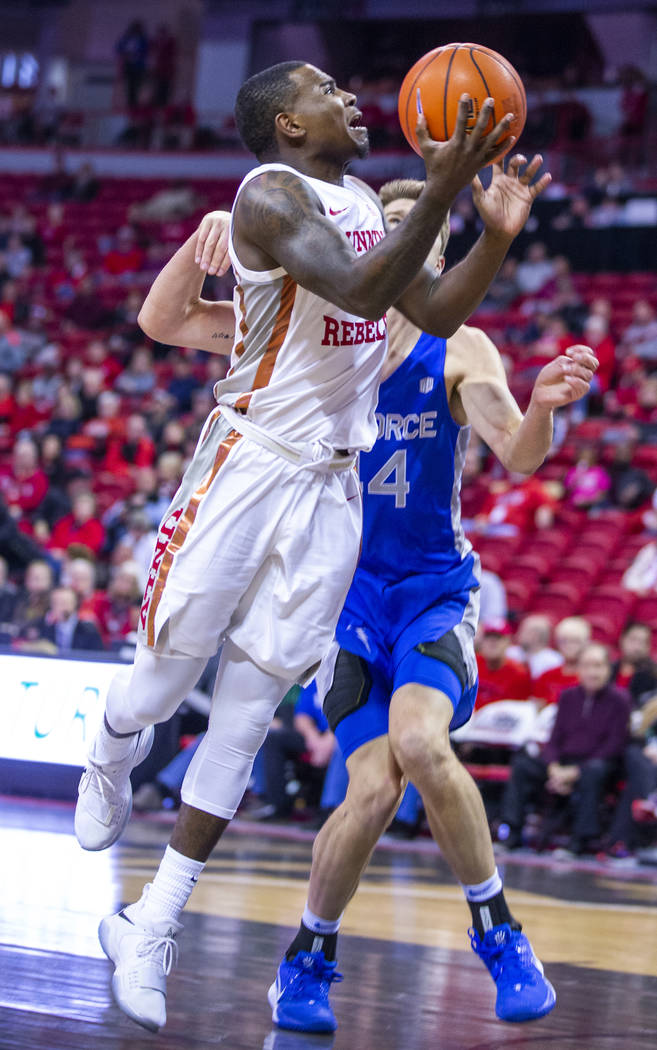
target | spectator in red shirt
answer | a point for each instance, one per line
(135, 449)
(24, 485)
(126, 257)
(571, 637)
(80, 527)
(596, 335)
(515, 506)
(499, 677)
(98, 356)
(117, 609)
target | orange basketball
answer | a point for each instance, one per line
(437, 81)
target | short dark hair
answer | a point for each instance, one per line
(259, 101)
(631, 624)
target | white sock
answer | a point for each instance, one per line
(109, 750)
(483, 891)
(170, 890)
(320, 926)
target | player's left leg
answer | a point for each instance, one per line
(140, 939)
(420, 718)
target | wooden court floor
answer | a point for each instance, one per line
(411, 980)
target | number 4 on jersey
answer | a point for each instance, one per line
(399, 487)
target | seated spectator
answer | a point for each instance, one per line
(609, 212)
(640, 338)
(631, 487)
(575, 216)
(85, 184)
(635, 670)
(17, 346)
(81, 526)
(515, 506)
(595, 334)
(61, 629)
(571, 637)
(126, 257)
(80, 575)
(8, 600)
(17, 256)
(535, 270)
(86, 308)
(33, 598)
(587, 741)
(306, 738)
(500, 678)
(532, 645)
(183, 383)
(138, 379)
(117, 611)
(587, 484)
(134, 450)
(136, 544)
(23, 484)
(640, 777)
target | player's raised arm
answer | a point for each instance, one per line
(482, 397)
(504, 208)
(173, 311)
(279, 221)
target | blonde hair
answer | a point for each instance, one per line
(410, 189)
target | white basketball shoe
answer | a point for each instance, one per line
(105, 795)
(143, 952)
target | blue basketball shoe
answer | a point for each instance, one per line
(523, 993)
(299, 997)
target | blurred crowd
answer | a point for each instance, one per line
(97, 424)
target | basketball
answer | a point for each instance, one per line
(437, 81)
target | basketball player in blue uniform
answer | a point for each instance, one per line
(403, 671)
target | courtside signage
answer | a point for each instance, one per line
(50, 709)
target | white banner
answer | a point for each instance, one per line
(50, 709)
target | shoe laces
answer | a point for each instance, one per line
(151, 947)
(513, 956)
(311, 971)
(95, 777)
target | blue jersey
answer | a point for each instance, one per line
(418, 576)
(412, 477)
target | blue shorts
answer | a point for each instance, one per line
(396, 637)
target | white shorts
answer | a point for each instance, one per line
(257, 548)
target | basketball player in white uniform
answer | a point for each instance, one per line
(260, 543)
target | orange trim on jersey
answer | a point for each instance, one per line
(208, 426)
(182, 530)
(276, 340)
(244, 328)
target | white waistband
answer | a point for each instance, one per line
(317, 455)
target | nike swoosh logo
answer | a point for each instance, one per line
(339, 211)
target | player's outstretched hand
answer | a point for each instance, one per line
(212, 242)
(505, 205)
(565, 379)
(452, 165)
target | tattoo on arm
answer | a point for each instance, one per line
(277, 204)
(221, 335)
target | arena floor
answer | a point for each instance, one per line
(411, 980)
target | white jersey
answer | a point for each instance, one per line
(302, 368)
